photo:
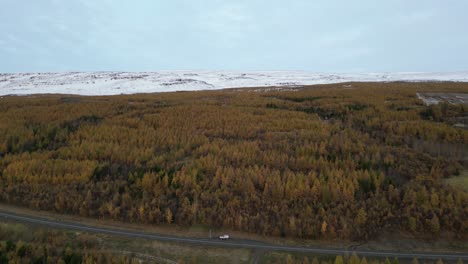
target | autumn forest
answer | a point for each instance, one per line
(340, 161)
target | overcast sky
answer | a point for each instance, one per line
(152, 35)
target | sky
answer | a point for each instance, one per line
(155, 35)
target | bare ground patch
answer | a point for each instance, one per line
(435, 98)
(460, 181)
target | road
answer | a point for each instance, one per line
(233, 243)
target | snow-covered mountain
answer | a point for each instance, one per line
(109, 83)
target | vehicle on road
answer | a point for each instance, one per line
(224, 237)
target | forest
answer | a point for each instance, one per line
(340, 161)
(47, 252)
(34, 245)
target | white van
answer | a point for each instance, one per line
(224, 237)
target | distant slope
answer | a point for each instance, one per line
(110, 83)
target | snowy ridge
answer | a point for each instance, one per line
(111, 83)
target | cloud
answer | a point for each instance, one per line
(419, 16)
(342, 37)
(14, 44)
(230, 20)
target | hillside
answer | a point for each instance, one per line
(113, 83)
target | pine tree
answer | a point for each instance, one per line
(168, 216)
(315, 260)
(387, 261)
(339, 260)
(361, 217)
(363, 260)
(435, 225)
(354, 259)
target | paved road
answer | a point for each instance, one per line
(233, 243)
